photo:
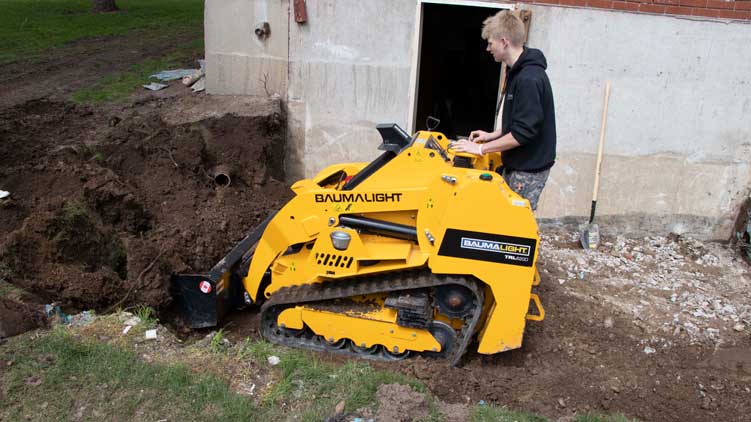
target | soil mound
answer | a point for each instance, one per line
(18, 317)
(397, 402)
(104, 207)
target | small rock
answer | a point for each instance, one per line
(134, 320)
(339, 409)
(561, 402)
(33, 381)
(274, 360)
(739, 327)
(649, 350)
(608, 322)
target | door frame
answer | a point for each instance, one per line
(417, 47)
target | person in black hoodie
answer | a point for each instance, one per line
(527, 135)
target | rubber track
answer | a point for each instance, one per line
(383, 282)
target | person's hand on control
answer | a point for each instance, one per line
(479, 136)
(464, 145)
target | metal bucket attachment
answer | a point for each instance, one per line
(203, 301)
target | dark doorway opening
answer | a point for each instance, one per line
(458, 80)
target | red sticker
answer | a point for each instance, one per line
(205, 287)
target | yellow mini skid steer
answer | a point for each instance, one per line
(417, 252)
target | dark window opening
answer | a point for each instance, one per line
(458, 80)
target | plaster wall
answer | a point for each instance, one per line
(678, 141)
(348, 71)
(238, 62)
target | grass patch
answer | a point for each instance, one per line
(217, 341)
(73, 213)
(147, 315)
(258, 350)
(489, 413)
(311, 389)
(120, 85)
(58, 377)
(29, 27)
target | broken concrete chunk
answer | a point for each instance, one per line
(155, 86)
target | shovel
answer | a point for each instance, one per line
(590, 233)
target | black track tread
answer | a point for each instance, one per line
(365, 285)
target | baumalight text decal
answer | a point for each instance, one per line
(358, 197)
(488, 247)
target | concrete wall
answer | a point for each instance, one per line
(238, 61)
(678, 138)
(349, 70)
(678, 141)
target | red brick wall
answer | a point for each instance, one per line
(722, 9)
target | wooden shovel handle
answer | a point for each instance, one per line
(602, 141)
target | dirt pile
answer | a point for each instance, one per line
(397, 402)
(17, 317)
(106, 205)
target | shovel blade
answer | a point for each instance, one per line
(590, 236)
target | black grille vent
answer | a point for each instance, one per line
(334, 260)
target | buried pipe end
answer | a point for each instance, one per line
(222, 176)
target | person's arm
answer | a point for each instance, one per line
(528, 115)
(526, 121)
(482, 136)
(504, 143)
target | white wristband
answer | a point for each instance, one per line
(480, 149)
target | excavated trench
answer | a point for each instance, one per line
(104, 207)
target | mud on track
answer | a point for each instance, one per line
(106, 204)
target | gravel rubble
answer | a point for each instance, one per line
(672, 284)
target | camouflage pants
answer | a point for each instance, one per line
(527, 185)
